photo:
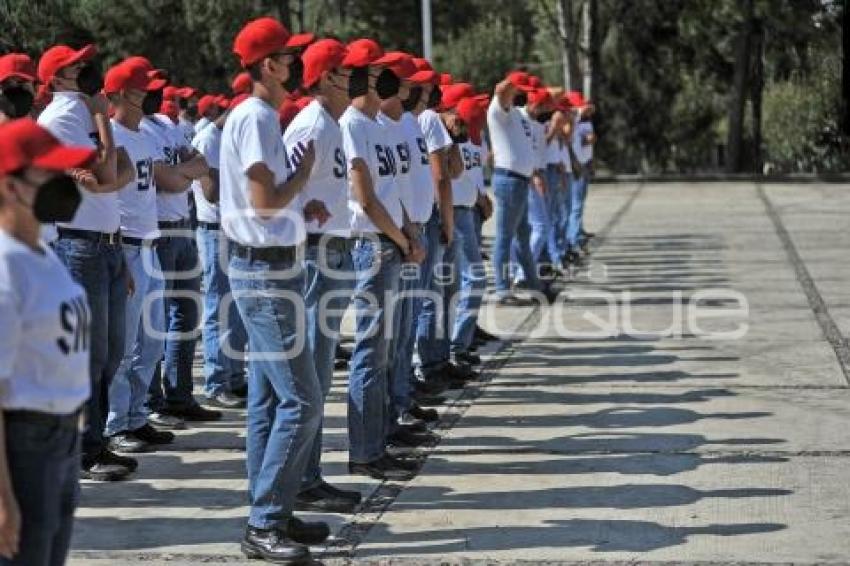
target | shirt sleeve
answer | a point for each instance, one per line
(69, 130)
(257, 144)
(296, 141)
(496, 112)
(354, 145)
(206, 146)
(436, 135)
(10, 334)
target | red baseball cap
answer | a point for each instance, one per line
(239, 99)
(365, 52)
(141, 62)
(206, 102)
(473, 114)
(187, 92)
(520, 80)
(403, 67)
(262, 37)
(535, 81)
(60, 56)
(452, 94)
(170, 109)
(222, 101)
(17, 65)
(539, 97)
(169, 93)
(125, 76)
(446, 79)
(287, 112)
(242, 83)
(422, 64)
(301, 40)
(322, 56)
(23, 143)
(576, 99)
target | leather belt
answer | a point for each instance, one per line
(330, 242)
(90, 235)
(271, 254)
(509, 173)
(209, 225)
(144, 241)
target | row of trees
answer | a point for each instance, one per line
(681, 85)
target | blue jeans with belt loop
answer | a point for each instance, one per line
(471, 276)
(284, 396)
(511, 194)
(432, 341)
(578, 194)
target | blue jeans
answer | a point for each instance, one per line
(512, 223)
(330, 283)
(284, 395)
(554, 204)
(178, 258)
(130, 385)
(101, 271)
(472, 278)
(566, 205)
(222, 373)
(432, 341)
(578, 194)
(44, 468)
(378, 264)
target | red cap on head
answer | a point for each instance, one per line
(222, 101)
(187, 92)
(424, 76)
(169, 93)
(365, 52)
(576, 99)
(125, 75)
(403, 67)
(535, 82)
(139, 61)
(206, 102)
(473, 114)
(422, 64)
(260, 38)
(23, 143)
(520, 80)
(287, 112)
(170, 109)
(242, 83)
(452, 94)
(239, 99)
(446, 79)
(300, 40)
(17, 65)
(60, 56)
(539, 97)
(321, 56)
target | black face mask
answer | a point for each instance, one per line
(152, 102)
(435, 98)
(387, 85)
(296, 75)
(462, 136)
(358, 82)
(90, 79)
(409, 104)
(544, 117)
(57, 200)
(520, 99)
(192, 111)
(19, 101)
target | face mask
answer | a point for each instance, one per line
(57, 200)
(409, 104)
(435, 98)
(544, 117)
(358, 82)
(89, 80)
(387, 85)
(151, 102)
(462, 136)
(520, 99)
(296, 75)
(192, 111)
(20, 101)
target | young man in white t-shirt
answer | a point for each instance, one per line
(380, 245)
(90, 244)
(262, 213)
(582, 145)
(328, 263)
(44, 361)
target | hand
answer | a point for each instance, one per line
(83, 177)
(446, 236)
(10, 525)
(316, 210)
(307, 160)
(539, 184)
(417, 253)
(486, 206)
(98, 104)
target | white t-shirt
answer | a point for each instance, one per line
(465, 188)
(202, 123)
(564, 148)
(328, 181)
(398, 140)
(68, 118)
(187, 127)
(538, 140)
(436, 135)
(252, 135)
(584, 153)
(510, 136)
(363, 138)
(137, 200)
(44, 361)
(554, 155)
(421, 200)
(170, 206)
(485, 154)
(208, 144)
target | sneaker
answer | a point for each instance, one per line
(166, 421)
(325, 498)
(273, 545)
(427, 415)
(226, 400)
(101, 471)
(110, 457)
(194, 413)
(153, 436)
(127, 443)
(400, 463)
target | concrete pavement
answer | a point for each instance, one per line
(617, 428)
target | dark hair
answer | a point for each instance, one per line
(255, 72)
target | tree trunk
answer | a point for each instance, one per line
(564, 30)
(756, 90)
(587, 63)
(738, 99)
(845, 66)
(594, 48)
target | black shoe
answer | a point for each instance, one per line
(403, 438)
(428, 400)
(400, 463)
(126, 442)
(326, 498)
(461, 370)
(166, 421)
(467, 358)
(381, 469)
(430, 385)
(484, 336)
(307, 533)
(274, 546)
(110, 457)
(152, 436)
(226, 400)
(427, 415)
(550, 296)
(241, 391)
(194, 413)
(408, 422)
(101, 471)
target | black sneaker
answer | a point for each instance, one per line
(550, 296)
(110, 457)
(408, 422)
(404, 438)
(484, 336)
(326, 498)
(273, 545)
(380, 469)
(307, 533)
(400, 463)
(430, 385)
(226, 400)
(101, 471)
(427, 415)
(461, 370)
(193, 413)
(127, 443)
(467, 358)
(152, 436)
(166, 421)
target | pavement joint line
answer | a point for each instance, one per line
(710, 453)
(830, 329)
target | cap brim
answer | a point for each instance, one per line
(300, 40)
(156, 84)
(186, 92)
(64, 157)
(423, 77)
(83, 54)
(388, 59)
(17, 75)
